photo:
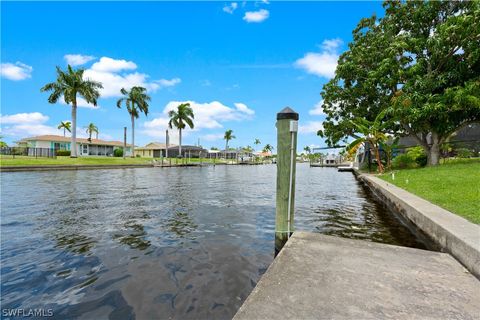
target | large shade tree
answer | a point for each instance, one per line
(441, 82)
(136, 101)
(420, 62)
(179, 119)
(70, 84)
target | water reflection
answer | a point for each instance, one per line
(136, 237)
(181, 224)
(148, 243)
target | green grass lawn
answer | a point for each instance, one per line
(454, 185)
(30, 161)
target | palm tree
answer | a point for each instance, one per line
(179, 119)
(92, 128)
(307, 149)
(267, 148)
(228, 136)
(70, 84)
(248, 149)
(256, 142)
(136, 101)
(65, 125)
(373, 134)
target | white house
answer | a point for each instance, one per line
(85, 147)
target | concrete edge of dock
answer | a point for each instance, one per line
(454, 234)
(317, 276)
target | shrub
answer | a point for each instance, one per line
(418, 155)
(63, 153)
(413, 158)
(18, 151)
(138, 156)
(118, 153)
(464, 153)
(404, 161)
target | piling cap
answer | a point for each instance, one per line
(287, 113)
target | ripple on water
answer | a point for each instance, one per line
(147, 243)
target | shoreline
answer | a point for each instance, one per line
(452, 233)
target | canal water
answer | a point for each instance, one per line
(149, 243)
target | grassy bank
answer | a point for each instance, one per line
(454, 185)
(30, 161)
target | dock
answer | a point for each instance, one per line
(323, 277)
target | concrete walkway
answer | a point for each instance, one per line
(323, 277)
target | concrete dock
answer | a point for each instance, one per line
(323, 277)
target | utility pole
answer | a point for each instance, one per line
(124, 141)
(287, 128)
(166, 143)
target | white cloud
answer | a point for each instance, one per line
(168, 83)
(108, 72)
(331, 45)
(230, 8)
(107, 64)
(243, 108)
(317, 109)
(256, 16)
(212, 137)
(209, 115)
(25, 124)
(310, 127)
(16, 72)
(21, 118)
(77, 59)
(322, 64)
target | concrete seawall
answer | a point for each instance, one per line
(89, 167)
(71, 167)
(451, 232)
(324, 277)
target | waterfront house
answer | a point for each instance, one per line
(188, 151)
(85, 147)
(332, 159)
(154, 150)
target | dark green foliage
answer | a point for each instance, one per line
(138, 156)
(63, 153)
(118, 153)
(418, 155)
(421, 62)
(404, 161)
(414, 157)
(463, 153)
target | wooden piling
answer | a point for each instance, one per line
(286, 147)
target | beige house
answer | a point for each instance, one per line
(85, 147)
(153, 150)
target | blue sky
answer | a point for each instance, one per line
(238, 63)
